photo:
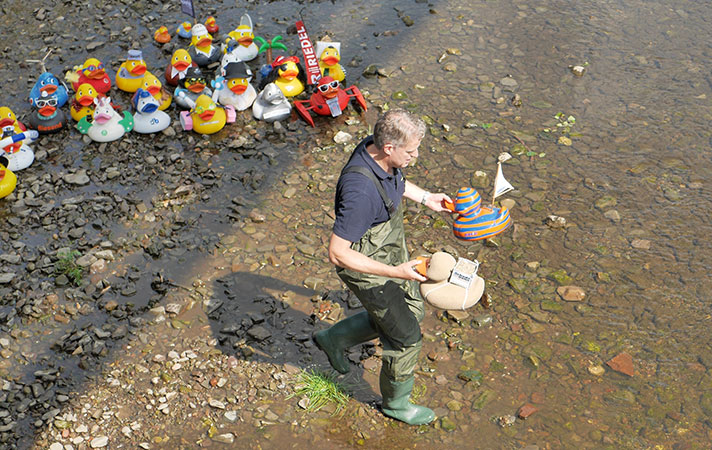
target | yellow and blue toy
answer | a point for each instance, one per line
(184, 30)
(15, 137)
(329, 58)
(477, 222)
(130, 75)
(206, 117)
(49, 84)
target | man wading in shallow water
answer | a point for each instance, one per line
(368, 247)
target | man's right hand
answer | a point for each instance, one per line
(408, 272)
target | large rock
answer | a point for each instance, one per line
(571, 293)
(623, 363)
(79, 178)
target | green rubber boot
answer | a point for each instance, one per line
(396, 402)
(342, 335)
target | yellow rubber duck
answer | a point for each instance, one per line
(154, 86)
(130, 75)
(244, 36)
(288, 75)
(329, 58)
(178, 66)
(201, 49)
(83, 102)
(206, 116)
(8, 180)
(9, 125)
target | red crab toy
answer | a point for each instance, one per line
(328, 99)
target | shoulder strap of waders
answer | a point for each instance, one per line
(390, 206)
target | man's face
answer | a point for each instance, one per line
(401, 156)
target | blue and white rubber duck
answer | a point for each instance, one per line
(148, 118)
(48, 83)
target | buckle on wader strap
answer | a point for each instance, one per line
(390, 206)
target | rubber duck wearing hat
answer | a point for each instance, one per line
(8, 180)
(14, 146)
(162, 36)
(206, 117)
(328, 99)
(148, 118)
(50, 84)
(155, 87)
(47, 118)
(91, 72)
(178, 66)
(211, 25)
(184, 30)
(202, 50)
(329, 58)
(238, 91)
(271, 104)
(191, 87)
(83, 102)
(106, 125)
(240, 41)
(130, 75)
(477, 222)
(288, 75)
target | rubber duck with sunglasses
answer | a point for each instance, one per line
(328, 99)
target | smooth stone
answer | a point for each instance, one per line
(99, 442)
(571, 293)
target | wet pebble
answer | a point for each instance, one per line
(99, 442)
(571, 293)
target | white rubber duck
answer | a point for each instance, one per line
(240, 41)
(238, 91)
(148, 118)
(107, 125)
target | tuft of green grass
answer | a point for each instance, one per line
(67, 265)
(320, 388)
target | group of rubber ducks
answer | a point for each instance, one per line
(206, 105)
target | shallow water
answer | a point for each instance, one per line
(640, 146)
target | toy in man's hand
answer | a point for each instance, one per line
(477, 222)
(452, 284)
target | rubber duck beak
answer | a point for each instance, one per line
(331, 93)
(6, 123)
(207, 115)
(139, 69)
(102, 118)
(86, 100)
(238, 89)
(50, 89)
(204, 42)
(245, 41)
(47, 110)
(96, 74)
(449, 205)
(154, 90)
(197, 87)
(330, 60)
(181, 65)
(289, 74)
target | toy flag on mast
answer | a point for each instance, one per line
(501, 185)
(187, 7)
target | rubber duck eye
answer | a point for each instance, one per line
(334, 84)
(283, 67)
(92, 68)
(324, 87)
(100, 66)
(199, 110)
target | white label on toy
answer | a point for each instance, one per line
(334, 107)
(464, 272)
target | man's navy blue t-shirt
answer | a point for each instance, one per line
(359, 206)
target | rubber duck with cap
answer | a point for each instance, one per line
(240, 41)
(15, 137)
(328, 99)
(475, 222)
(162, 36)
(271, 104)
(184, 30)
(329, 57)
(92, 72)
(206, 117)
(178, 66)
(155, 87)
(211, 25)
(441, 292)
(46, 117)
(8, 180)
(238, 91)
(148, 118)
(191, 87)
(106, 125)
(83, 102)
(130, 75)
(288, 75)
(202, 50)
(48, 83)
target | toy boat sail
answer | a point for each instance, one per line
(477, 222)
